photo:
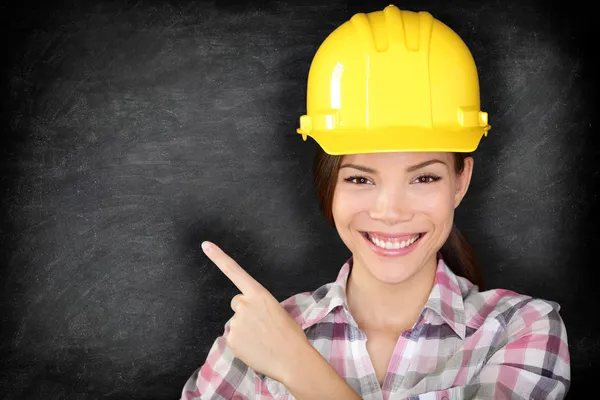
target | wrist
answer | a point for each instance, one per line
(311, 377)
(304, 358)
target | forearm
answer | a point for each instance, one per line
(313, 378)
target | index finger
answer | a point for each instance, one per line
(236, 274)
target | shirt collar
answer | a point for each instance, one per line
(445, 298)
(329, 297)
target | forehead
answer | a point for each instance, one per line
(399, 159)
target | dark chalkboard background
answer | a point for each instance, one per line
(132, 131)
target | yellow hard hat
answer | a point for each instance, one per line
(393, 80)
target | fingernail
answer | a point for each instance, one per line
(206, 246)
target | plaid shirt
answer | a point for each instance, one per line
(466, 344)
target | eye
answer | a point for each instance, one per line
(428, 178)
(358, 180)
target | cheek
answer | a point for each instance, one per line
(347, 209)
(437, 204)
(348, 204)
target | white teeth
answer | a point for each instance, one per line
(393, 244)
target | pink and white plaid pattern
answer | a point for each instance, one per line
(466, 344)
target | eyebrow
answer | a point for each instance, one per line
(409, 169)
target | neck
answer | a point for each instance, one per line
(379, 305)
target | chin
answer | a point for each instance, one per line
(387, 270)
(391, 272)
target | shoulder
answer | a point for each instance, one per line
(303, 305)
(520, 342)
(513, 311)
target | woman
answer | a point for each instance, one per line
(393, 101)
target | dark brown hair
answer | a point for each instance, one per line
(458, 254)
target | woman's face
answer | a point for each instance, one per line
(394, 211)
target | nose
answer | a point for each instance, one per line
(391, 207)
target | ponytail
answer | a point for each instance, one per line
(460, 256)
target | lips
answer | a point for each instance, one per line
(391, 236)
(386, 244)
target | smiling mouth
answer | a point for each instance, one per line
(392, 243)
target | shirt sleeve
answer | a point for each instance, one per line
(222, 376)
(532, 361)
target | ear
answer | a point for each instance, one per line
(463, 180)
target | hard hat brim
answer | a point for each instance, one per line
(350, 141)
